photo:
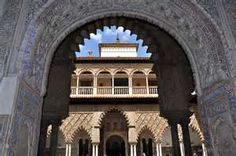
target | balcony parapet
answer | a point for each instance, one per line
(117, 91)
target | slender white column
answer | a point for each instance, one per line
(69, 151)
(204, 151)
(95, 85)
(94, 150)
(160, 149)
(77, 86)
(112, 83)
(130, 84)
(66, 149)
(135, 151)
(181, 148)
(157, 149)
(96, 147)
(147, 85)
(131, 150)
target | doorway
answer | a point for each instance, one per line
(115, 146)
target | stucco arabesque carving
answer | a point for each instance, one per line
(183, 20)
(75, 122)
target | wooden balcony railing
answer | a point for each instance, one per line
(114, 91)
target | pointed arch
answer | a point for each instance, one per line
(162, 133)
(114, 108)
(146, 129)
(81, 132)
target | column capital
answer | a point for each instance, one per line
(133, 143)
(68, 142)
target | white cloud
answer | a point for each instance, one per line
(97, 37)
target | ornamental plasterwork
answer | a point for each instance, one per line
(195, 126)
(102, 115)
(151, 120)
(74, 122)
(183, 19)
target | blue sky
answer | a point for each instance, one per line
(109, 35)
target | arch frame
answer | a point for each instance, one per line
(38, 24)
(73, 136)
(35, 55)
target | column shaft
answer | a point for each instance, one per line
(112, 84)
(182, 148)
(94, 152)
(77, 86)
(157, 149)
(160, 149)
(42, 138)
(54, 139)
(135, 151)
(95, 85)
(186, 138)
(96, 147)
(67, 150)
(175, 138)
(204, 151)
(131, 150)
(130, 85)
(147, 85)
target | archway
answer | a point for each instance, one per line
(115, 146)
(146, 143)
(114, 133)
(81, 143)
(105, 84)
(183, 29)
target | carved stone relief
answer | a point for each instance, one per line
(225, 144)
(27, 110)
(218, 102)
(193, 27)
